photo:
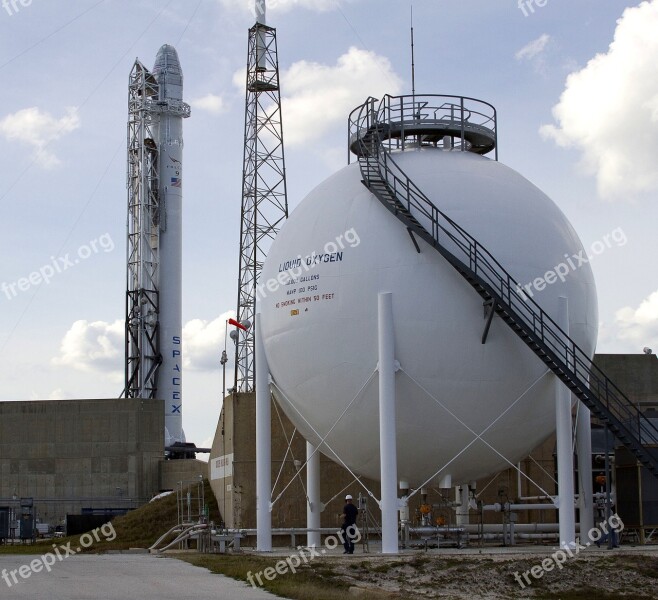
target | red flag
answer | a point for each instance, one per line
(239, 325)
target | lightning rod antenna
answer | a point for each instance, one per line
(413, 64)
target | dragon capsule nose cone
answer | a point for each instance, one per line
(166, 61)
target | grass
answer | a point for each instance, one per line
(385, 567)
(311, 582)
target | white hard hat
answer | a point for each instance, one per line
(348, 497)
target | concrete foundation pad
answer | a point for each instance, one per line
(117, 577)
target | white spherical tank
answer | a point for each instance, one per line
(320, 328)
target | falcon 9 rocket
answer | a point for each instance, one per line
(169, 141)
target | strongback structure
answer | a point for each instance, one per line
(153, 300)
(142, 297)
(264, 195)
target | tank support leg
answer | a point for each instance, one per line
(387, 429)
(563, 424)
(314, 506)
(263, 446)
(585, 487)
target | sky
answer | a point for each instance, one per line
(575, 85)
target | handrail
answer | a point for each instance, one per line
(472, 259)
(464, 116)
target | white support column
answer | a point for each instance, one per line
(584, 447)
(314, 507)
(263, 446)
(461, 510)
(563, 426)
(387, 429)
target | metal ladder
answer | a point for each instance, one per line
(400, 195)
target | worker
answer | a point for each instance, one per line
(348, 527)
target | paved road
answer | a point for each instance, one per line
(118, 577)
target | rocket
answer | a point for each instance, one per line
(168, 133)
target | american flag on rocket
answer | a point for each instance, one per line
(176, 182)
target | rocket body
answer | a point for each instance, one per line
(168, 133)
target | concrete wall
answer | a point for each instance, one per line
(635, 374)
(73, 454)
(235, 485)
(186, 470)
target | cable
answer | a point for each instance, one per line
(339, 493)
(365, 46)
(53, 33)
(545, 471)
(36, 291)
(189, 21)
(323, 439)
(477, 436)
(285, 456)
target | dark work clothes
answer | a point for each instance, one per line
(350, 512)
(349, 522)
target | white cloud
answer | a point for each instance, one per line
(207, 443)
(638, 327)
(93, 347)
(319, 97)
(534, 48)
(56, 394)
(99, 346)
(203, 342)
(609, 109)
(38, 129)
(210, 103)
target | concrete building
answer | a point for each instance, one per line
(635, 374)
(71, 455)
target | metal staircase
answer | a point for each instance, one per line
(371, 137)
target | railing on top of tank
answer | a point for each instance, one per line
(466, 250)
(400, 113)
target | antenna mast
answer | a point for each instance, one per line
(413, 64)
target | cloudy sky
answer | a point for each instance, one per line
(575, 85)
